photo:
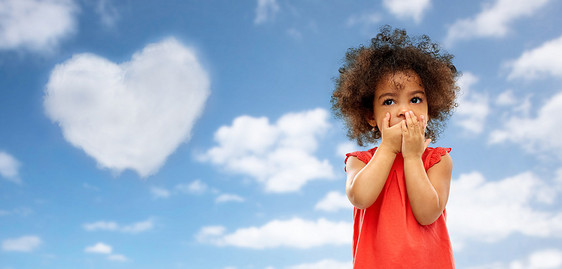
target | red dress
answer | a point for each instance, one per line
(387, 235)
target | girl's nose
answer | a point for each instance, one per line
(403, 110)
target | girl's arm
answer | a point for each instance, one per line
(365, 181)
(428, 192)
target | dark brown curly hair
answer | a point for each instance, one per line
(392, 50)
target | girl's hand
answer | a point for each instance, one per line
(391, 136)
(413, 136)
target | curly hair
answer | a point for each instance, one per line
(391, 51)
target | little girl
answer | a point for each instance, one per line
(399, 90)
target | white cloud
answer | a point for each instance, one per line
(159, 193)
(293, 233)
(473, 106)
(493, 20)
(265, 11)
(37, 25)
(225, 197)
(100, 248)
(408, 9)
(541, 259)
(132, 115)
(543, 61)
(489, 211)
(22, 244)
(101, 225)
(324, 264)
(195, 187)
(540, 134)
(333, 201)
(137, 227)
(9, 167)
(279, 155)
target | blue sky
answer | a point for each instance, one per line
(198, 134)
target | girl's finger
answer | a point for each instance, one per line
(386, 121)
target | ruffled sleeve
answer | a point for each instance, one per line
(434, 156)
(364, 156)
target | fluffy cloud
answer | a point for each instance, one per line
(473, 106)
(539, 134)
(333, 201)
(132, 115)
(278, 155)
(294, 233)
(137, 227)
(266, 10)
(9, 167)
(489, 211)
(413, 9)
(493, 20)
(37, 25)
(102, 248)
(324, 264)
(22, 244)
(545, 60)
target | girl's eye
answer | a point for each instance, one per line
(416, 100)
(388, 102)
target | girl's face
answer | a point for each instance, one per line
(397, 93)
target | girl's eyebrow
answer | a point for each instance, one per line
(416, 92)
(391, 94)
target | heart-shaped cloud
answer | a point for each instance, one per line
(132, 115)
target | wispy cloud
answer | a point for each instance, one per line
(225, 197)
(493, 20)
(26, 243)
(107, 12)
(408, 9)
(9, 167)
(473, 106)
(120, 114)
(295, 233)
(133, 228)
(195, 187)
(279, 155)
(543, 61)
(36, 25)
(265, 11)
(159, 193)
